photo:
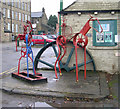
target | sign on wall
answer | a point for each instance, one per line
(107, 37)
(106, 27)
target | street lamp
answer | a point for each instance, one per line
(61, 7)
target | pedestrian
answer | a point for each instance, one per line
(12, 37)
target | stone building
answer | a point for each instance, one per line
(1, 25)
(102, 47)
(39, 21)
(15, 15)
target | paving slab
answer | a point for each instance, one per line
(65, 86)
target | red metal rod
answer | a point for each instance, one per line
(57, 60)
(19, 64)
(84, 62)
(76, 63)
(64, 48)
(32, 61)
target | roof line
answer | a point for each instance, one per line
(87, 11)
(37, 11)
(70, 5)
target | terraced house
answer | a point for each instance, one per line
(15, 13)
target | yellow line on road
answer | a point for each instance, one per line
(8, 70)
(13, 69)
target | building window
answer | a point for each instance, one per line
(16, 4)
(12, 2)
(12, 14)
(4, 1)
(9, 26)
(16, 28)
(25, 6)
(8, 2)
(28, 7)
(4, 25)
(107, 37)
(19, 4)
(12, 27)
(19, 16)
(29, 18)
(16, 14)
(20, 28)
(8, 13)
(22, 5)
(23, 17)
(4, 12)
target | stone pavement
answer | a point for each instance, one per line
(94, 86)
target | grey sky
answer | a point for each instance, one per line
(52, 7)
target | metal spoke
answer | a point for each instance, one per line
(46, 63)
(82, 64)
(70, 55)
(55, 51)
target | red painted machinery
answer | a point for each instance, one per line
(79, 38)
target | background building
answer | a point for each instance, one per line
(39, 21)
(15, 15)
(103, 48)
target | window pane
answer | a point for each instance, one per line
(4, 1)
(4, 12)
(16, 15)
(20, 28)
(12, 2)
(19, 4)
(29, 18)
(8, 13)
(19, 16)
(16, 4)
(16, 28)
(8, 2)
(9, 26)
(25, 6)
(28, 6)
(12, 14)
(12, 27)
(23, 17)
(22, 5)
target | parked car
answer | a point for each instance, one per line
(40, 39)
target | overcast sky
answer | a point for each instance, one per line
(52, 7)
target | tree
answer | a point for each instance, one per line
(52, 21)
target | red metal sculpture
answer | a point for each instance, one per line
(25, 53)
(22, 36)
(29, 40)
(79, 38)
